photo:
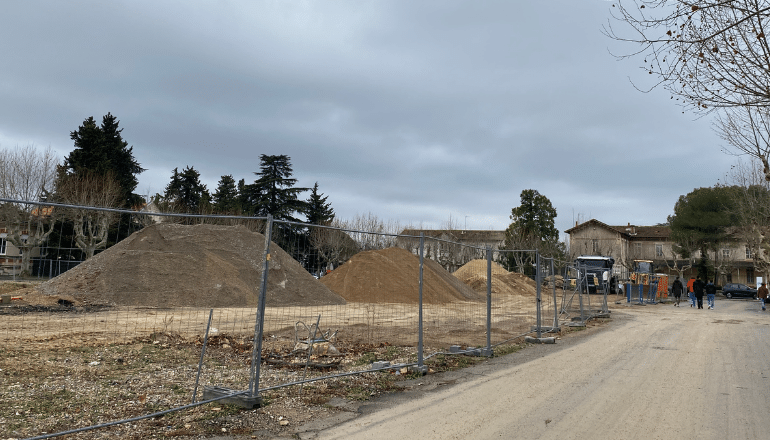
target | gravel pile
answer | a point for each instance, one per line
(171, 265)
(474, 274)
(392, 276)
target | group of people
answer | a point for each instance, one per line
(696, 288)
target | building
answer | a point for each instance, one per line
(733, 261)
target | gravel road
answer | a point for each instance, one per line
(656, 372)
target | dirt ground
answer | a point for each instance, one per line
(96, 364)
(74, 387)
(661, 372)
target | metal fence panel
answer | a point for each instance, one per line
(313, 303)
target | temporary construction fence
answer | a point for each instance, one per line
(302, 297)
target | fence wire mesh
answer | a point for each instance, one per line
(335, 301)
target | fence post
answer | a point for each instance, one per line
(488, 350)
(420, 368)
(555, 309)
(256, 358)
(250, 398)
(539, 298)
(583, 283)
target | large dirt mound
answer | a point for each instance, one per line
(474, 274)
(392, 276)
(170, 265)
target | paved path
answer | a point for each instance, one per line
(659, 372)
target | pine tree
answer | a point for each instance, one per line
(185, 192)
(225, 199)
(321, 243)
(101, 150)
(533, 227)
(274, 192)
(100, 154)
(319, 212)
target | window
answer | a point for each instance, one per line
(638, 249)
(750, 280)
(748, 253)
(658, 250)
(595, 246)
(725, 254)
(2, 246)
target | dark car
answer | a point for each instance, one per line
(736, 290)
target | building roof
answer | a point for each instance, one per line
(457, 234)
(630, 231)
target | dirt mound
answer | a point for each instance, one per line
(169, 265)
(392, 276)
(474, 274)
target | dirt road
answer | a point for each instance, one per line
(659, 372)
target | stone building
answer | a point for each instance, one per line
(733, 260)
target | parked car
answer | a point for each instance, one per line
(736, 290)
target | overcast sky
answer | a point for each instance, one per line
(413, 111)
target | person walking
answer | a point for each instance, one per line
(690, 292)
(677, 290)
(762, 294)
(697, 288)
(711, 292)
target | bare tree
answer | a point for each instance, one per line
(724, 263)
(95, 190)
(681, 253)
(332, 244)
(747, 130)
(449, 251)
(370, 232)
(27, 175)
(709, 53)
(753, 202)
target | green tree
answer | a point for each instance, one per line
(226, 198)
(701, 221)
(100, 154)
(533, 227)
(274, 192)
(101, 150)
(185, 192)
(536, 217)
(319, 211)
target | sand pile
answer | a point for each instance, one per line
(474, 274)
(392, 276)
(170, 265)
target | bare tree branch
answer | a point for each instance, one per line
(708, 53)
